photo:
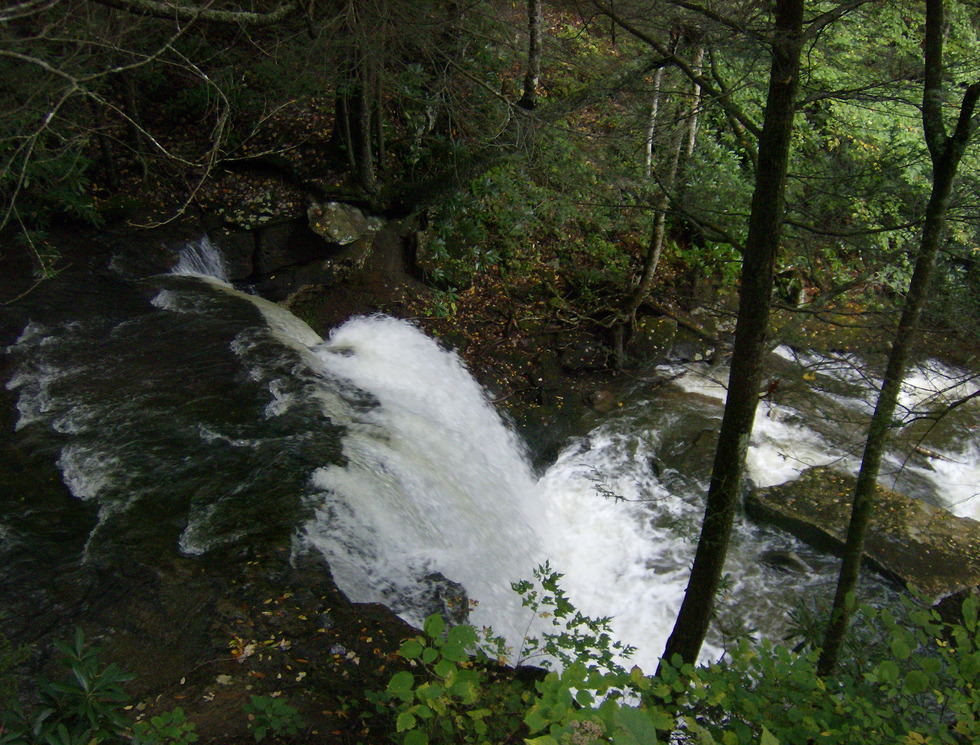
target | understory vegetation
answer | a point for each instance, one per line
(912, 681)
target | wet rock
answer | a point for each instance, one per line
(341, 224)
(237, 249)
(443, 596)
(910, 541)
(653, 338)
(689, 450)
(286, 244)
(785, 561)
(603, 401)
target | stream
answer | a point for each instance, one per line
(179, 415)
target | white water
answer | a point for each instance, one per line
(436, 482)
(433, 480)
(202, 259)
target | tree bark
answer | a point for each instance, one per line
(946, 152)
(529, 99)
(683, 147)
(658, 78)
(755, 297)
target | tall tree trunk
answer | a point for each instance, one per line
(356, 121)
(755, 297)
(945, 152)
(105, 145)
(683, 146)
(658, 79)
(363, 145)
(529, 99)
(692, 118)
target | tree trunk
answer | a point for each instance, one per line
(683, 145)
(105, 145)
(692, 119)
(362, 132)
(658, 78)
(530, 97)
(945, 152)
(755, 297)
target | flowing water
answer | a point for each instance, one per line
(184, 415)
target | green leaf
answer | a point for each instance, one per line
(434, 626)
(633, 727)
(454, 651)
(584, 698)
(411, 649)
(768, 738)
(900, 649)
(406, 721)
(916, 682)
(888, 671)
(463, 635)
(445, 668)
(401, 685)
(416, 737)
(429, 655)
(969, 611)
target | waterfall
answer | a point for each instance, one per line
(192, 415)
(201, 259)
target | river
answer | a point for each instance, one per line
(179, 415)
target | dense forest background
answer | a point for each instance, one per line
(615, 139)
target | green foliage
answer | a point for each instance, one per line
(10, 657)
(578, 639)
(455, 698)
(86, 707)
(915, 684)
(555, 196)
(168, 728)
(268, 714)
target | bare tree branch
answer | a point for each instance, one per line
(175, 11)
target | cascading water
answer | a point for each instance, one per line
(192, 416)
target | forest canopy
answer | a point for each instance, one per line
(609, 132)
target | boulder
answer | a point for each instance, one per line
(286, 244)
(653, 338)
(341, 223)
(784, 561)
(238, 250)
(441, 595)
(908, 540)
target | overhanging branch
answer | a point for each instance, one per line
(179, 12)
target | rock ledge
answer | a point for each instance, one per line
(913, 542)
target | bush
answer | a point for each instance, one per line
(85, 707)
(918, 688)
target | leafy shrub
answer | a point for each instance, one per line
(168, 728)
(85, 707)
(268, 714)
(919, 687)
